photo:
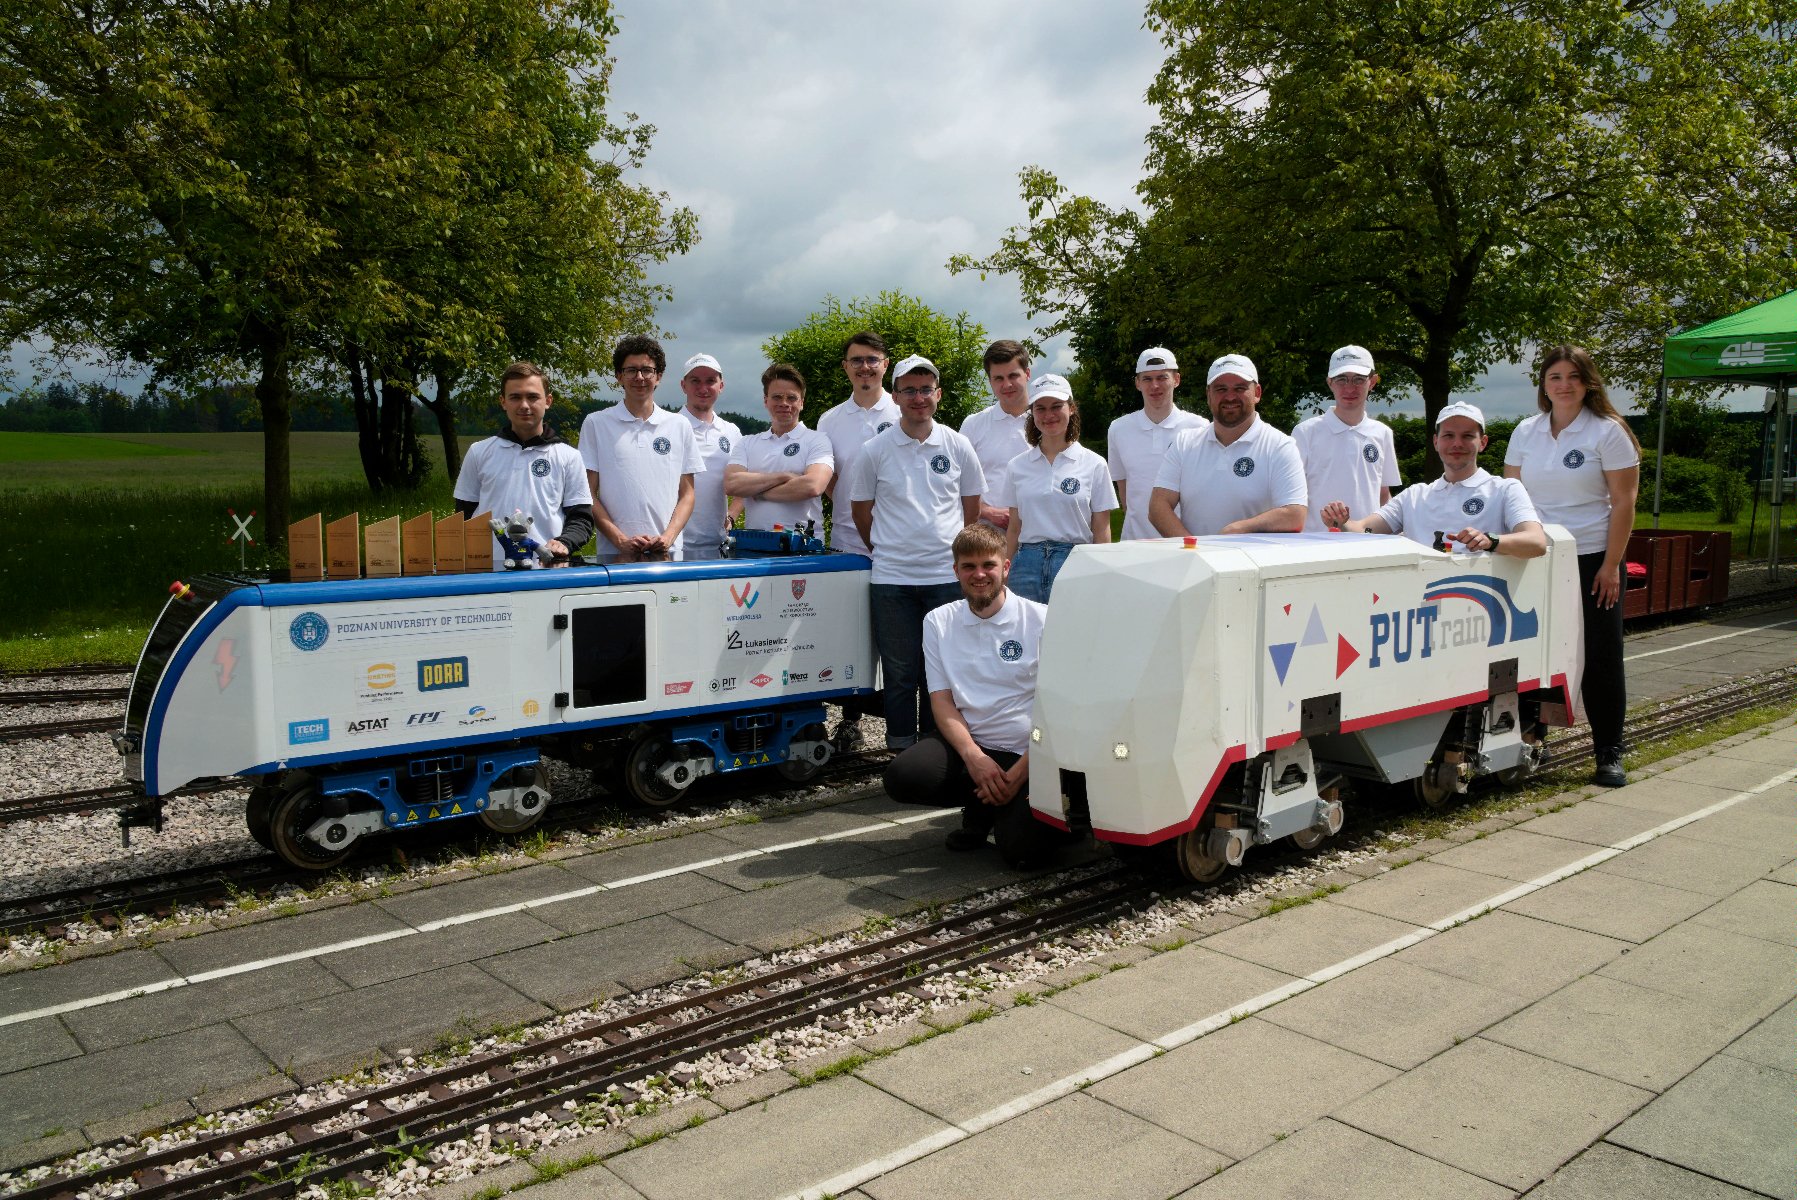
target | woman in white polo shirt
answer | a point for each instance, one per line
(1582, 465)
(1059, 493)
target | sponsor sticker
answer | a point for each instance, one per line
(309, 631)
(440, 674)
(531, 708)
(299, 733)
(477, 715)
(366, 725)
(762, 680)
(677, 689)
(425, 718)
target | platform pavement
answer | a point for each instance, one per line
(1627, 1030)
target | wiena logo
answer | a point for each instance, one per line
(747, 597)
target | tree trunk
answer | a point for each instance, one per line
(1434, 376)
(443, 409)
(274, 392)
(368, 434)
(392, 427)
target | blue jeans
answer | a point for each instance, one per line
(1034, 568)
(898, 613)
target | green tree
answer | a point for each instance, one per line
(1446, 182)
(955, 344)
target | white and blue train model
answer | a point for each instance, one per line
(1220, 695)
(376, 705)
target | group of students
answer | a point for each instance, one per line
(968, 529)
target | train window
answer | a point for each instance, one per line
(610, 660)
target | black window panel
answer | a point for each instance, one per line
(611, 663)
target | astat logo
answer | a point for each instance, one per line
(746, 598)
(367, 725)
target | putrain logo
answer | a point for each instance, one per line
(1508, 622)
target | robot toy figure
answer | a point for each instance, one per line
(522, 552)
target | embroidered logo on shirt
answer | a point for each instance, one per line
(540, 467)
(724, 442)
(884, 426)
(1574, 459)
(1070, 486)
(1010, 650)
(662, 445)
(1244, 467)
(939, 464)
(792, 450)
(1370, 452)
(1473, 507)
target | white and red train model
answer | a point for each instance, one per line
(1215, 695)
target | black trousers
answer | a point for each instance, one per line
(1604, 693)
(931, 773)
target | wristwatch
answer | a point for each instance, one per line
(1494, 542)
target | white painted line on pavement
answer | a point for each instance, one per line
(1721, 637)
(1116, 1064)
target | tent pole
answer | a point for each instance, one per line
(1659, 458)
(1778, 471)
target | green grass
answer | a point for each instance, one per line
(66, 447)
(1738, 545)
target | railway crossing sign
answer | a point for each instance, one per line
(242, 535)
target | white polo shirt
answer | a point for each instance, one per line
(1565, 474)
(1055, 501)
(850, 428)
(499, 476)
(640, 464)
(1481, 501)
(715, 439)
(917, 488)
(1218, 484)
(792, 451)
(1345, 462)
(988, 664)
(997, 438)
(1137, 447)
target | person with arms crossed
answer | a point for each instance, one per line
(1238, 476)
(1582, 466)
(640, 462)
(1058, 494)
(528, 468)
(1138, 441)
(782, 473)
(996, 430)
(868, 412)
(917, 486)
(702, 381)
(1347, 455)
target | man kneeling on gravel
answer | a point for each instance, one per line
(980, 655)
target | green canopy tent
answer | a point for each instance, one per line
(1756, 346)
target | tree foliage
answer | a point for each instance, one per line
(955, 344)
(1444, 181)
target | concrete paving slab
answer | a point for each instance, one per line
(763, 870)
(1514, 854)
(412, 1011)
(1729, 1119)
(796, 1139)
(777, 917)
(27, 991)
(1632, 1034)
(1613, 905)
(440, 948)
(1785, 874)
(1331, 1161)
(1668, 796)
(1076, 1148)
(1421, 892)
(200, 1004)
(1761, 750)
(1307, 938)
(273, 938)
(1497, 1112)
(876, 803)
(1169, 991)
(977, 1067)
(1607, 1172)
(1735, 975)
(1279, 1082)
(1394, 1012)
(627, 862)
(1515, 954)
(1695, 866)
(1594, 823)
(795, 827)
(481, 892)
(44, 1149)
(589, 1183)
(1746, 827)
(67, 1095)
(1762, 909)
(577, 969)
(640, 900)
(1771, 1043)
(931, 873)
(34, 1043)
(1716, 771)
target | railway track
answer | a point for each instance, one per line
(49, 729)
(63, 696)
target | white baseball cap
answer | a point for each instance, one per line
(1050, 385)
(1233, 364)
(916, 362)
(1461, 408)
(1156, 358)
(1350, 360)
(700, 360)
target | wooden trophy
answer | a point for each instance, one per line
(305, 549)
(343, 547)
(417, 555)
(477, 543)
(381, 540)
(449, 544)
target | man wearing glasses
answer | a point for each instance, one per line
(1238, 476)
(1347, 455)
(1138, 441)
(916, 487)
(854, 423)
(640, 462)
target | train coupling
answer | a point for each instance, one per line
(144, 814)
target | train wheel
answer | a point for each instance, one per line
(1430, 794)
(532, 781)
(802, 770)
(258, 814)
(648, 753)
(293, 814)
(1191, 851)
(1311, 840)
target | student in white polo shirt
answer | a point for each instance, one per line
(1582, 466)
(915, 488)
(996, 431)
(702, 382)
(981, 652)
(1138, 441)
(782, 473)
(1058, 493)
(640, 462)
(528, 468)
(868, 412)
(1347, 455)
(1238, 476)
(1468, 505)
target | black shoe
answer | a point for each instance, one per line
(1609, 767)
(963, 840)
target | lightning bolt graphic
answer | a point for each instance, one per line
(226, 661)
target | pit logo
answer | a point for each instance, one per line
(440, 674)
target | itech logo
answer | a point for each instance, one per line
(439, 674)
(301, 732)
